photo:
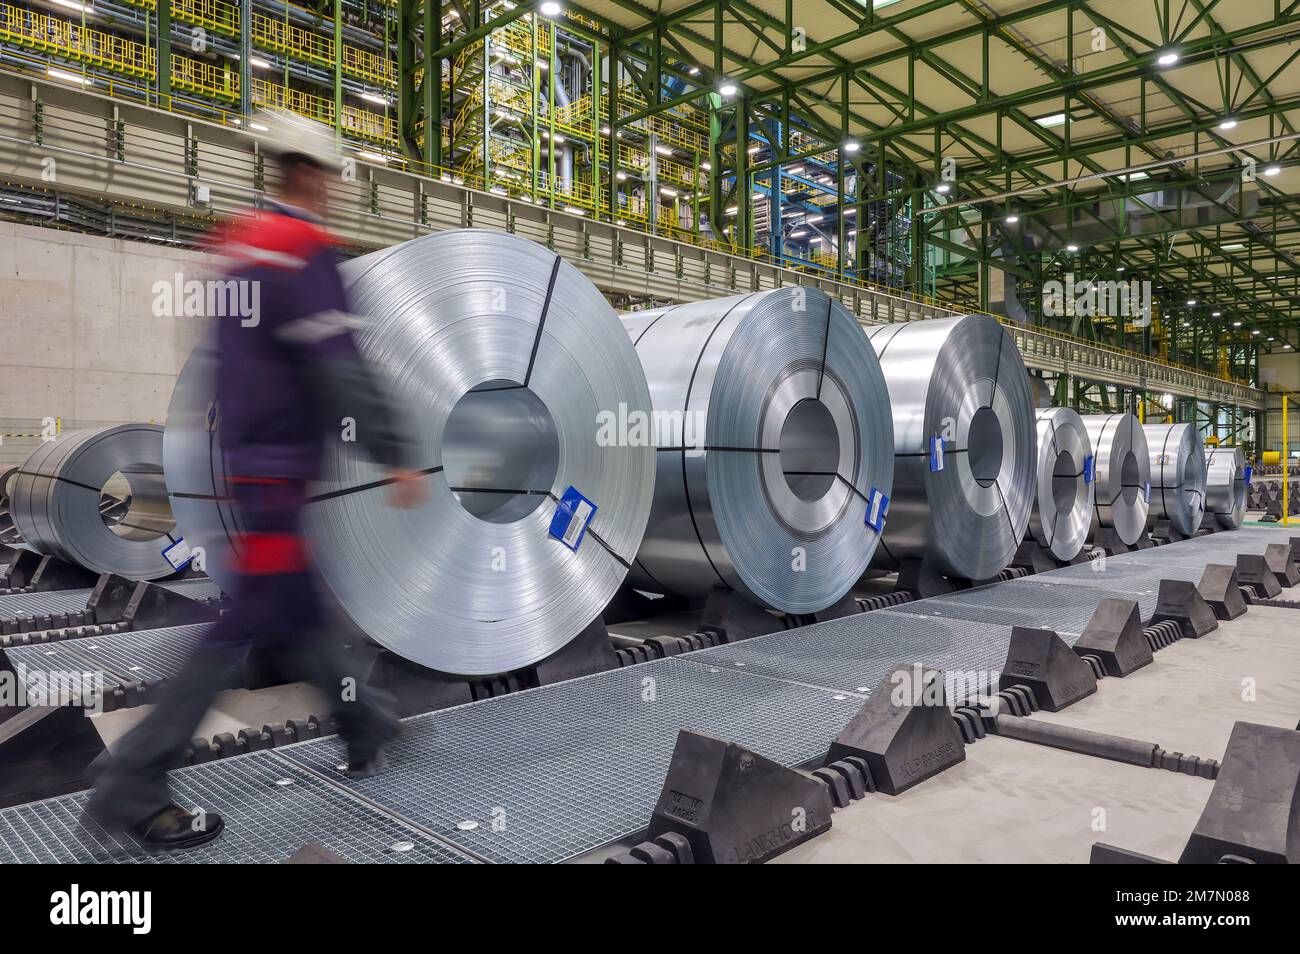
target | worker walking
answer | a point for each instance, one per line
(287, 377)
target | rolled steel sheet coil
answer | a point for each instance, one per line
(1064, 498)
(1225, 486)
(508, 364)
(55, 501)
(774, 434)
(1177, 475)
(960, 384)
(1122, 468)
(7, 473)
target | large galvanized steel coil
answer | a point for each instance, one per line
(56, 495)
(1122, 468)
(1225, 486)
(7, 473)
(507, 363)
(1063, 502)
(1177, 475)
(774, 433)
(964, 444)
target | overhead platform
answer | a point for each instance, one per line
(563, 771)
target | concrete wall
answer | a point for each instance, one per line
(79, 339)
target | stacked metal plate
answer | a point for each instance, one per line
(775, 448)
(1177, 475)
(964, 445)
(1122, 468)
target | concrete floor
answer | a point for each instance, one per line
(1012, 801)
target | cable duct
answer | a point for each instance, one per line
(509, 365)
(56, 495)
(1123, 474)
(774, 435)
(1225, 486)
(964, 444)
(1177, 475)
(1063, 502)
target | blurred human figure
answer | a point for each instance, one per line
(287, 377)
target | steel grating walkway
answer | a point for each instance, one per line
(548, 774)
(854, 653)
(271, 808)
(38, 604)
(119, 660)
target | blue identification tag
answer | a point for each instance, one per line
(936, 454)
(178, 555)
(1146, 491)
(1088, 464)
(572, 516)
(1249, 470)
(877, 510)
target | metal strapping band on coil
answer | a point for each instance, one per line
(1177, 475)
(1123, 471)
(773, 431)
(958, 388)
(1063, 503)
(510, 366)
(57, 493)
(1225, 486)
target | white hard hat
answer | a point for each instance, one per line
(284, 133)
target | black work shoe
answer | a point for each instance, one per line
(175, 829)
(365, 763)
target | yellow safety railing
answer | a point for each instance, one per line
(273, 34)
(207, 79)
(84, 44)
(216, 15)
(677, 172)
(291, 39)
(629, 157)
(200, 76)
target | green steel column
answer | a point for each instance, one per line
(717, 214)
(839, 205)
(338, 66)
(613, 129)
(744, 188)
(406, 91)
(164, 65)
(595, 129)
(487, 111)
(550, 114)
(535, 129)
(432, 37)
(695, 195)
(245, 57)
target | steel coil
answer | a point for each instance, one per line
(1225, 486)
(507, 362)
(194, 467)
(774, 435)
(964, 444)
(7, 474)
(1063, 502)
(1177, 475)
(55, 500)
(1123, 474)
